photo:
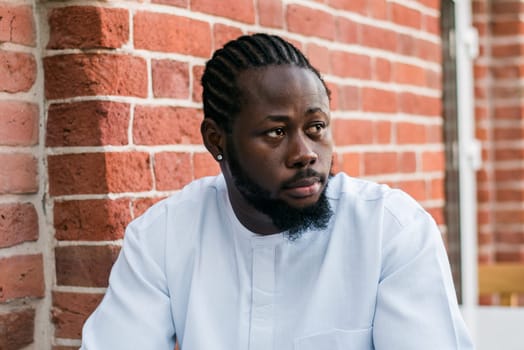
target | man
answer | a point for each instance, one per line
(275, 253)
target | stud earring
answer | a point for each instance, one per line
(219, 157)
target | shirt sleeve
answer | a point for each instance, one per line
(135, 312)
(416, 302)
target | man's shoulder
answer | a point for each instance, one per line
(342, 185)
(397, 204)
(194, 194)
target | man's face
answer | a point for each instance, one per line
(279, 152)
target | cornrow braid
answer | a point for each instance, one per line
(220, 95)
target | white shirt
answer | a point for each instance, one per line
(377, 278)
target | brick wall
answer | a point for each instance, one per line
(499, 101)
(22, 238)
(115, 88)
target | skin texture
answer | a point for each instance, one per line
(281, 140)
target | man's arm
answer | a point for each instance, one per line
(135, 312)
(416, 302)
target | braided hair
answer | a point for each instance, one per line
(221, 95)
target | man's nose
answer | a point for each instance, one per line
(300, 152)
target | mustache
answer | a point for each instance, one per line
(304, 174)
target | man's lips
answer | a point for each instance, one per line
(304, 187)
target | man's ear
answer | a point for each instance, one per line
(214, 137)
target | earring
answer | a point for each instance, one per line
(219, 157)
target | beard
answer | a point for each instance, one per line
(284, 216)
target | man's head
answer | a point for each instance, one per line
(221, 94)
(267, 114)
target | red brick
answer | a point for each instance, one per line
(423, 49)
(18, 223)
(170, 79)
(94, 74)
(379, 38)
(223, 33)
(21, 276)
(140, 205)
(87, 173)
(17, 25)
(16, 329)
(433, 161)
(510, 216)
(508, 174)
(505, 50)
(271, 13)
(410, 133)
(18, 173)
(305, 20)
(91, 220)
(155, 125)
(509, 27)
(511, 8)
(351, 164)
(381, 69)
(378, 9)
(380, 163)
(172, 170)
(484, 196)
(509, 154)
(377, 100)
(347, 31)
(509, 71)
(18, 123)
(432, 4)
(510, 237)
(415, 188)
(510, 195)
(411, 103)
(319, 57)
(88, 123)
(433, 80)
(510, 256)
(383, 132)
(350, 65)
(431, 24)
(437, 189)
(178, 3)
(84, 266)
(170, 33)
(204, 165)
(70, 311)
(506, 92)
(17, 71)
(405, 16)
(358, 6)
(484, 217)
(404, 73)
(352, 132)
(480, 72)
(508, 112)
(434, 134)
(239, 10)
(407, 162)
(349, 98)
(87, 27)
(198, 71)
(408, 45)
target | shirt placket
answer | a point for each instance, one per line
(263, 292)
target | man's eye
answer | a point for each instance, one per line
(316, 129)
(276, 133)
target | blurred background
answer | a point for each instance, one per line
(100, 107)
